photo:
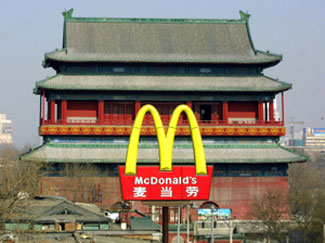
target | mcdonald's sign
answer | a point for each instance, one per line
(166, 182)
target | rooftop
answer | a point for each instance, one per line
(158, 41)
(50, 208)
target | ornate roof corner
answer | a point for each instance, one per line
(35, 91)
(244, 16)
(67, 14)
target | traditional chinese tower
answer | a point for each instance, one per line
(108, 68)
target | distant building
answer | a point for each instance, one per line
(5, 130)
(314, 137)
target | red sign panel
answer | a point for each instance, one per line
(152, 184)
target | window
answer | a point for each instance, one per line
(118, 69)
(107, 109)
(118, 112)
(115, 109)
(165, 110)
(173, 215)
(129, 108)
(205, 70)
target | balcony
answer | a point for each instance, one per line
(120, 126)
(124, 121)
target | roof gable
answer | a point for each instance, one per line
(67, 208)
(70, 211)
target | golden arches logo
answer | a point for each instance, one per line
(165, 143)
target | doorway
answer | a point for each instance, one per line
(205, 112)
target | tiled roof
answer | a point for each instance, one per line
(51, 208)
(78, 213)
(258, 83)
(182, 153)
(144, 223)
(159, 40)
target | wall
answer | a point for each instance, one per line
(238, 192)
(228, 192)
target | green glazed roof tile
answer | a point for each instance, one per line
(258, 83)
(159, 40)
(148, 153)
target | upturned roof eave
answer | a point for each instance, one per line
(298, 159)
(295, 158)
(54, 57)
(41, 85)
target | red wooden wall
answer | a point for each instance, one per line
(242, 109)
(82, 108)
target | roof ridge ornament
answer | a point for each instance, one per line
(244, 16)
(67, 14)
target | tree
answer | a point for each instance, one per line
(18, 182)
(83, 182)
(305, 208)
(307, 196)
(272, 211)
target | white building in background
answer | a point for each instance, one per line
(314, 137)
(5, 130)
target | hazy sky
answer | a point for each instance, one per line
(294, 28)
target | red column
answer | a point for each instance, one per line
(64, 111)
(100, 111)
(48, 111)
(137, 107)
(189, 104)
(43, 108)
(271, 112)
(260, 112)
(225, 112)
(52, 111)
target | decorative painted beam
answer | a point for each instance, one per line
(151, 131)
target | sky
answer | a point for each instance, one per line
(293, 28)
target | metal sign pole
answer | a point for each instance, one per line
(188, 223)
(231, 231)
(165, 224)
(178, 223)
(212, 236)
